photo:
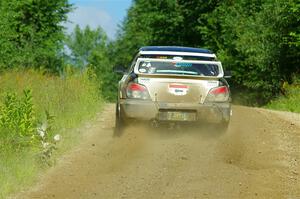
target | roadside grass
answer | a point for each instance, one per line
(17, 170)
(288, 102)
(71, 101)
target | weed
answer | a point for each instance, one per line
(47, 144)
(17, 117)
(289, 101)
(28, 133)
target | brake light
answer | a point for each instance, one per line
(218, 94)
(137, 91)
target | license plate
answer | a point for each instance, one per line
(178, 116)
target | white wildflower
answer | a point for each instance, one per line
(44, 126)
(57, 138)
(45, 144)
(41, 132)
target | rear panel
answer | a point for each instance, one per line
(177, 90)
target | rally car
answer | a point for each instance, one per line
(171, 84)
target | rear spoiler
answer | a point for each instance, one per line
(178, 76)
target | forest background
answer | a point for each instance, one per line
(52, 81)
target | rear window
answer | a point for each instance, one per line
(179, 68)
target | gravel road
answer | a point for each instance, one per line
(259, 157)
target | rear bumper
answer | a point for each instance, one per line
(149, 110)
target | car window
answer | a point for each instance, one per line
(180, 68)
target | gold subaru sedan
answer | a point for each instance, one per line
(173, 85)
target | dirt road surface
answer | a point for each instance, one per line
(259, 157)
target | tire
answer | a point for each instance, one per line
(119, 122)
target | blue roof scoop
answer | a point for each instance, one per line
(175, 49)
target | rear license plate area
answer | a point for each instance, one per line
(177, 115)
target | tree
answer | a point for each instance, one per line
(89, 49)
(148, 22)
(82, 42)
(31, 32)
(252, 41)
(162, 22)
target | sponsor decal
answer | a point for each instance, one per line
(212, 84)
(178, 89)
(143, 80)
(184, 65)
(142, 70)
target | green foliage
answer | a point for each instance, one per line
(255, 47)
(19, 129)
(31, 33)
(53, 105)
(70, 99)
(147, 23)
(17, 120)
(83, 42)
(165, 22)
(90, 49)
(294, 34)
(289, 100)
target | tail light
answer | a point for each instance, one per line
(137, 91)
(218, 94)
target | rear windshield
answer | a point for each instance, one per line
(180, 68)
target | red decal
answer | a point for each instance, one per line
(178, 86)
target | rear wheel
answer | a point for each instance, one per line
(119, 122)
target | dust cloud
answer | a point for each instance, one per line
(258, 157)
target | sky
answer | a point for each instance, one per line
(105, 13)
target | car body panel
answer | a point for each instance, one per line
(149, 110)
(177, 90)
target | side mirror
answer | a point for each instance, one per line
(120, 69)
(227, 74)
